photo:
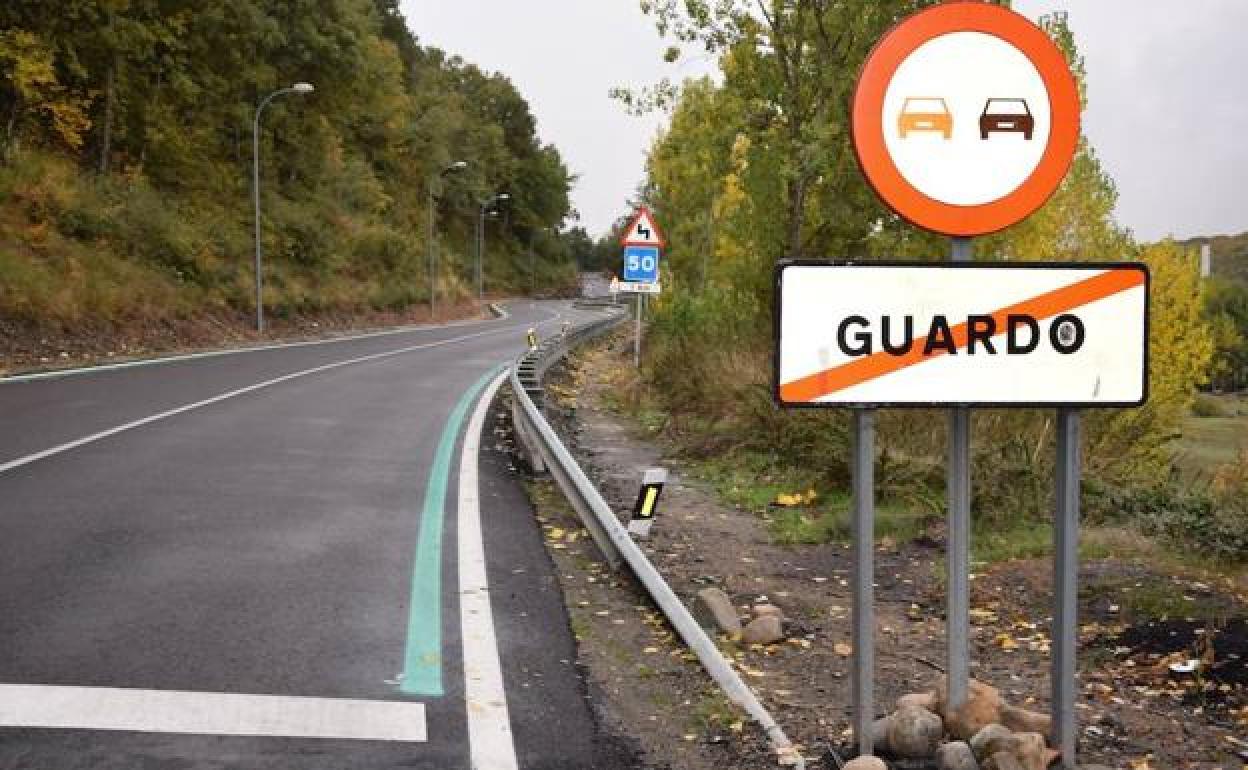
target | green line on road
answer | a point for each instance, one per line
(422, 663)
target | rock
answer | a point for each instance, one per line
(879, 734)
(866, 763)
(1031, 752)
(992, 739)
(926, 700)
(982, 707)
(915, 733)
(761, 610)
(765, 630)
(1024, 721)
(1002, 760)
(956, 756)
(714, 611)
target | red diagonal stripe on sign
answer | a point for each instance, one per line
(1046, 305)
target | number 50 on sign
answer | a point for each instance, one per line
(641, 264)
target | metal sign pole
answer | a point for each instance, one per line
(1065, 579)
(863, 682)
(637, 338)
(958, 556)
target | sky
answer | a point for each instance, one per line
(1167, 91)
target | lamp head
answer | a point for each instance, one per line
(303, 88)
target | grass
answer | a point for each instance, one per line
(1156, 599)
(713, 712)
(1209, 442)
(753, 481)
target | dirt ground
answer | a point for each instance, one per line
(26, 347)
(1133, 712)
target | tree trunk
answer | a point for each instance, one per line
(10, 140)
(796, 215)
(110, 98)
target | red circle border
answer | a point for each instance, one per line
(868, 130)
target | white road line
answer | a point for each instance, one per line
(57, 373)
(208, 713)
(28, 459)
(489, 726)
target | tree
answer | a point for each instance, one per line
(32, 91)
(1226, 312)
(794, 63)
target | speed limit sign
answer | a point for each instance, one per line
(966, 118)
(641, 263)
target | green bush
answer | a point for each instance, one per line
(1210, 522)
(1208, 406)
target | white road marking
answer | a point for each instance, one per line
(489, 725)
(57, 373)
(208, 713)
(28, 459)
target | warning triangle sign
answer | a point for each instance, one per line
(643, 231)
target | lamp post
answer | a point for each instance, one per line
(458, 165)
(297, 88)
(481, 241)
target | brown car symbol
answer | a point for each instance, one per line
(1006, 115)
(923, 113)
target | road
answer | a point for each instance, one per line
(277, 559)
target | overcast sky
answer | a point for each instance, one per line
(1167, 89)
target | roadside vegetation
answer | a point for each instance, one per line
(125, 165)
(757, 166)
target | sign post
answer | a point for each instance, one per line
(965, 120)
(963, 334)
(643, 245)
(1065, 583)
(958, 547)
(637, 336)
(863, 610)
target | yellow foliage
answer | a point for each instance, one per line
(30, 72)
(1181, 342)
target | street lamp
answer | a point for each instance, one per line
(297, 88)
(481, 241)
(458, 165)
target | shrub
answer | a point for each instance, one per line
(1210, 522)
(1208, 406)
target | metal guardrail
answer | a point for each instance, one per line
(547, 452)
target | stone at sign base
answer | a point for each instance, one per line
(982, 707)
(763, 630)
(866, 763)
(1002, 760)
(714, 611)
(993, 739)
(925, 700)
(914, 733)
(879, 734)
(767, 609)
(956, 756)
(1031, 751)
(1024, 721)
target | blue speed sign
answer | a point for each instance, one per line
(641, 264)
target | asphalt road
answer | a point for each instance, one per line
(259, 524)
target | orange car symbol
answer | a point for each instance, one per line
(925, 113)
